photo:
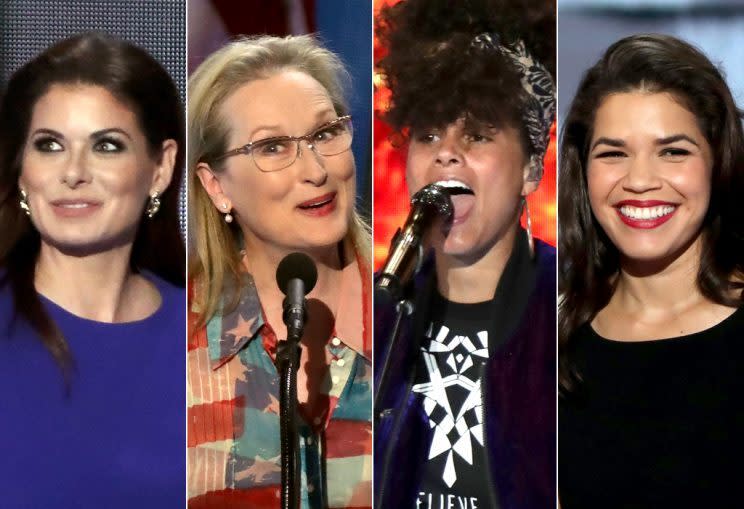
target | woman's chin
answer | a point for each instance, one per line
(644, 262)
(318, 245)
(84, 244)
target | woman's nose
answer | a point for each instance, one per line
(641, 176)
(449, 151)
(312, 165)
(75, 170)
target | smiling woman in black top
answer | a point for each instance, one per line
(652, 247)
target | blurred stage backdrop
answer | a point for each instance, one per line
(588, 27)
(391, 196)
(343, 27)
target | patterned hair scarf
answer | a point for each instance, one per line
(539, 111)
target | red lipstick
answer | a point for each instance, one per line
(645, 223)
(319, 206)
(644, 203)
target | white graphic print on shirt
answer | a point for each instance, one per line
(454, 427)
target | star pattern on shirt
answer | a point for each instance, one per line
(454, 428)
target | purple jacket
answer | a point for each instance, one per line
(519, 390)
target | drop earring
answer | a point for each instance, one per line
(153, 205)
(228, 216)
(24, 203)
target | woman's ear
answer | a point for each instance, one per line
(529, 183)
(529, 187)
(163, 175)
(213, 187)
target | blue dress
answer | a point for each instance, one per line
(117, 440)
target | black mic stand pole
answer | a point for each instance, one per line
(288, 362)
(403, 307)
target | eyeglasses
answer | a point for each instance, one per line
(279, 152)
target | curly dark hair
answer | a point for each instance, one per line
(436, 76)
(589, 261)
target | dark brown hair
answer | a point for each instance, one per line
(132, 76)
(435, 74)
(589, 261)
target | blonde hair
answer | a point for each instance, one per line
(214, 259)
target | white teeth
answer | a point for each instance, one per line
(315, 205)
(646, 212)
(453, 184)
(74, 205)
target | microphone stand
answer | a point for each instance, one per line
(403, 307)
(288, 362)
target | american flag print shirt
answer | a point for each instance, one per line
(233, 410)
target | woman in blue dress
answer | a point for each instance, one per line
(92, 309)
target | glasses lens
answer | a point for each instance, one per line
(333, 138)
(274, 154)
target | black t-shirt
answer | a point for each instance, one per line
(448, 381)
(655, 424)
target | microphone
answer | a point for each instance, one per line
(406, 250)
(296, 276)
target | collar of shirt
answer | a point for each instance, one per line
(230, 332)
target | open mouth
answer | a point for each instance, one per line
(646, 212)
(454, 187)
(319, 206)
(645, 215)
(463, 198)
(316, 203)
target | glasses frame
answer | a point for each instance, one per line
(247, 149)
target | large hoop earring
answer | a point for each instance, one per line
(24, 203)
(530, 239)
(153, 205)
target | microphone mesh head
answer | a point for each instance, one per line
(296, 265)
(437, 197)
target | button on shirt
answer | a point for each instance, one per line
(233, 397)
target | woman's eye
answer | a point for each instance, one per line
(108, 146)
(610, 154)
(674, 152)
(327, 133)
(426, 138)
(47, 145)
(272, 147)
(477, 138)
